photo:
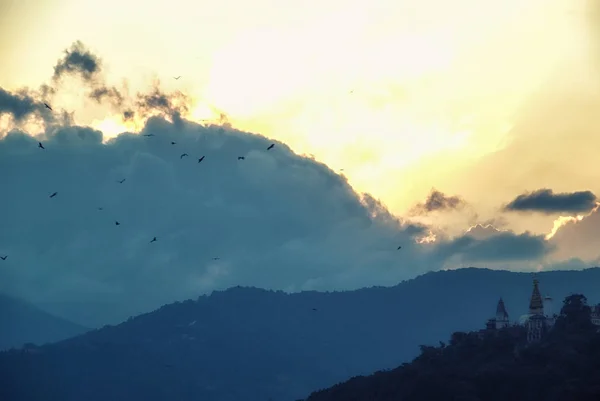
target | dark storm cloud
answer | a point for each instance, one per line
(503, 246)
(20, 106)
(546, 201)
(112, 94)
(78, 60)
(436, 201)
(275, 219)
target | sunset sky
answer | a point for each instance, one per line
(482, 100)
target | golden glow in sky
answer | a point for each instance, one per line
(399, 94)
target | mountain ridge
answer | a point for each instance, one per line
(252, 344)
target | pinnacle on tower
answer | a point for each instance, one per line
(501, 311)
(536, 305)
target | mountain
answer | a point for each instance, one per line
(247, 344)
(493, 365)
(21, 322)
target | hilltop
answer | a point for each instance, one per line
(492, 366)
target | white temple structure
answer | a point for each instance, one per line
(541, 316)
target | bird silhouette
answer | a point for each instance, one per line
(173, 143)
(315, 309)
(4, 257)
(176, 78)
(41, 146)
(117, 223)
(200, 159)
(148, 135)
(54, 194)
(153, 240)
(48, 107)
(271, 146)
(183, 155)
(216, 258)
(241, 158)
(100, 208)
(122, 181)
(400, 247)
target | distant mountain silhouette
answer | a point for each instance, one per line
(251, 344)
(493, 365)
(21, 322)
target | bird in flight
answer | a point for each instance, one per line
(117, 223)
(173, 143)
(4, 257)
(315, 309)
(241, 158)
(122, 181)
(153, 240)
(176, 78)
(54, 194)
(41, 146)
(148, 135)
(48, 107)
(183, 155)
(399, 247)
(271, 146)
(100, 208)
(216, 258)
(200, 159)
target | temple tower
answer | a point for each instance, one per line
(501, 315)
(536, 324)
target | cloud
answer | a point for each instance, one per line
(19, 105)
(275, 220)
(483, 231)
(578, 236)
(78, 60)
(438, 201)
(546, 201)
(491, 245)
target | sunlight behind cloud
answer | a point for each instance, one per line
(431, 80)
(109, 127)
(560, 222)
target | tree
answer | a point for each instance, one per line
(575, 315)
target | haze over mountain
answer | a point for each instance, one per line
(21, 322)
(252, 344)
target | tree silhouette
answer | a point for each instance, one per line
(493, 365)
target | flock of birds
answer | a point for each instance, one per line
(117, 223)
(200, 159)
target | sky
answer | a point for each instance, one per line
(393, 124)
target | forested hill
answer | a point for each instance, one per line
(498, 366)
(247, 344)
